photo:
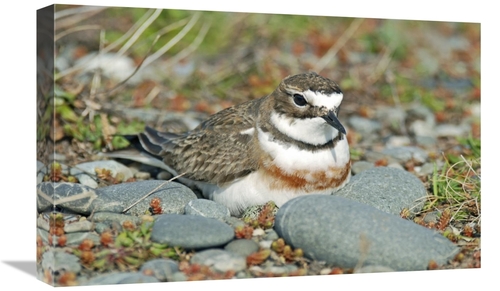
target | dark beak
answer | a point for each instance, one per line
(332, 119)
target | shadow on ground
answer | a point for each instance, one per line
(29, 267)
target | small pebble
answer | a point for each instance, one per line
(220, 260)
(191, 231)
(243, 247)
(206, 208)
(142, 175)
(161, 269)
(258, 232)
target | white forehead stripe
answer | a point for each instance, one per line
(319, 99)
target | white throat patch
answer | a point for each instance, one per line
(313, 131)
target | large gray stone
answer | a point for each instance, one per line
(70, 196)
(386, 188)
(173, 196)
(344, 232)
(191, 231)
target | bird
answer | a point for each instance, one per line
(286, 144)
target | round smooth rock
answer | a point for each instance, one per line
(191, 231)
(220, 260)
(207, 208)
(70, 196)
(243, 247)
(344, 232)
(173, 197)
(386, 188)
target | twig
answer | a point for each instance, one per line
(77, 10)
(381, 66)
(138, 33)
(397, 102)
(152, 191)
(321, 64)
(174, 40)
(110, 47)
(192, 47)
(122, 83)
(75, 29)
(77, 15)
(470, 166)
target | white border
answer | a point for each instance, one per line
(18, 142)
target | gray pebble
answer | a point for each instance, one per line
(142, 175)
(233, 222)
(44, 234)
(179, 277)
(360, 166)
(431, 216)
(406, 153)
(265, 244)
(385, 188)
(452, 130)
(101, 227)
(220, 260)
(422, 128)
(42, 223)
(191, 231)
(426, 169)
(396, 166)
(422, 112)
(243, 247)
(59, 261)
(115, 217)
(41, 170)
(174, 197)
(121, 278)
(364, 125)
(207, 208)
(390, 116)
(164, 175)
(86, 174)
(70, 196)
(341, 231)
(372, 269)
(76, 238)
(162, 269)
(426, 141)
(79, 226)
(397, 141)
(271, 235)
(277, 270)
(372, 157)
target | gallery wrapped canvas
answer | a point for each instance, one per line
(184, 145)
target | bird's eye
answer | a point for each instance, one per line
(299, 100)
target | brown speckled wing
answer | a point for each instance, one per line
(214, 152)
